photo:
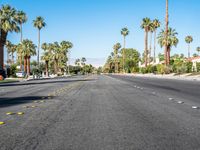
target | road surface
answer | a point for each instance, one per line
(100, 113)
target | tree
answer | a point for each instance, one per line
(198, 50)
(8, 24)
(170, 41)
(151, 30)
(166, 33)
(156, 24)
(66, 46)
(188, 40)
(28, 50)
(132, 60)
(116, 48)
(11, 48)
(39, 24)
(46, 57)
(77, 62)
(21, 18)
(146, 22)
(124, 33)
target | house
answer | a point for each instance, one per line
(194, 60)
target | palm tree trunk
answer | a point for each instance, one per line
(47, 68)
(38, 57)
(25, 64)
(168, 55)
(124, 54)
(166, 32)
(12, 58)
(21, 62)
(28, 66)
(150, 47)
(21, 37)
(1, 55)
(3, 37)
(146, 48)
(188, 50)
(154, 50)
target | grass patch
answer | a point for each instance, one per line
(8, 81)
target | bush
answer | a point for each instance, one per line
(13, 70)
(189, 67)
(143, 70)
(160, 69)
(198, 67)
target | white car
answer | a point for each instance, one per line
(20, 74)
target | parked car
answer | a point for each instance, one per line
(21, 74)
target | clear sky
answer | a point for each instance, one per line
(93, 26)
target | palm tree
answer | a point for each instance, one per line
(166, 32)
(124, 33)
(151, 30)
(28, 50)
(11, 48)
(65, 46)
(8, 24)
(20, 18)
(198, 50)
(77, 62)
(19, 51)
(39, 24)
(46, 57)
(146, 22)
(170, 41)
(116, 48)
(156, 24)
(188, 40)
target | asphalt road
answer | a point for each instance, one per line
(100, 113)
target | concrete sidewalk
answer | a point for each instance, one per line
(168, 76)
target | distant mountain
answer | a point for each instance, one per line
(96, 62)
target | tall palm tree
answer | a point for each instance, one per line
(56, 55)
(171, 41)
(28, 50)
(198, 50)
(146, 22)
(156, 24)
(8, 24)
(151, 30)
(11, 48)
(39, 24)
(19, 51)
(46, 57)
(124, 33)
(166, 32)
(77, 62)
(66, 46)
(116, 48)
(20, 18)
(188, 40)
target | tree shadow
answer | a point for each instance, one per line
(11, 101)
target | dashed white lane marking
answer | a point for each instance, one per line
(171, 99)
(180, 102)
(195, 107)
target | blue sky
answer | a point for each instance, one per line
(93, 26)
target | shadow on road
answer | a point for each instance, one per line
(36, 82)
(10, 101)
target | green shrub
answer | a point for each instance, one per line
(160, 69)
(189, 67)
(198, 67)
(143, 70)
(13, 70)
